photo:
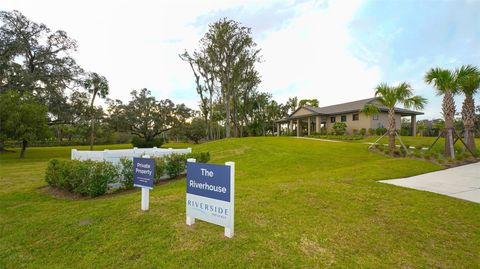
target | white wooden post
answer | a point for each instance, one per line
(190, 220)
(73, 154)
(229, 231)
(145, 194)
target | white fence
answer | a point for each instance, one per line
(115, 155)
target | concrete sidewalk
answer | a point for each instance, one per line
(319, 139)
(461, 182)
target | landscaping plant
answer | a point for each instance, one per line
(389, 97)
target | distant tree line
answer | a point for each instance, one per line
(47, 98)
(226, 78)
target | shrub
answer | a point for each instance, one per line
(339, 128)
(160, 167)
(142, 143)
(371, 131)
(355, 131)
(175, 164)
(126, 173)
(363, 132)
(81, 177)
(380, 131)
(102, 173)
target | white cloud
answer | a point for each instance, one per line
(136, 45)
(311, 58)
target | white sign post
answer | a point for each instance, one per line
(190, 219)
(229, 230)
(210, 194)
(143, 172)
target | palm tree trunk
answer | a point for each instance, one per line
(448, 108)
(468, 117)
(391, 130)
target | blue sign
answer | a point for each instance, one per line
(209, 180)
(143, 172)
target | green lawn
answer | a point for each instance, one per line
(299, 203)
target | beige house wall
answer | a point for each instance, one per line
(383, 121)
(364, 121)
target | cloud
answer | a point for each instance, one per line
(310, 57)
(405, 39)
(334, 51)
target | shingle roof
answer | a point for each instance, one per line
(354, 106)
(342, 108)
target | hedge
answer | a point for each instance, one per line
(87, 178)
(90, 178)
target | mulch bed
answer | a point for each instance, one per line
(446, 164)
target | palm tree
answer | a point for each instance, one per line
(445, 82)
(469, 84)
(95, 85)
(389, 97)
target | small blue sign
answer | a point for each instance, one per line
(209, 180)
(143, 172)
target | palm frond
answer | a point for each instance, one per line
(468, 78)
(370, 109)
(442, 79)
(417, 102)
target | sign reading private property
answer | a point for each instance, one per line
(143, 172)
(210, 194)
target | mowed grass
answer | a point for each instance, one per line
(299, 203)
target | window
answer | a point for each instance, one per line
(355, 117)
(375, 117)
(332, 119)
(344, 118)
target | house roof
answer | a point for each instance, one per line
(349, 107)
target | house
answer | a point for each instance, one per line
(307, 119)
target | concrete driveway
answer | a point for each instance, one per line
(461, 182)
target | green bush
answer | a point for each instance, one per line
(102, 173)
(160, 166)
(142, 143)
(363, 132)
(371, 131)
(81, 177)
(340, 128)
(126, 173)
(176, 164)
(90, 178)
(380, 131)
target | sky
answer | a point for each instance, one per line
(335, 51)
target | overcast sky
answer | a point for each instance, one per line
(335, 51)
